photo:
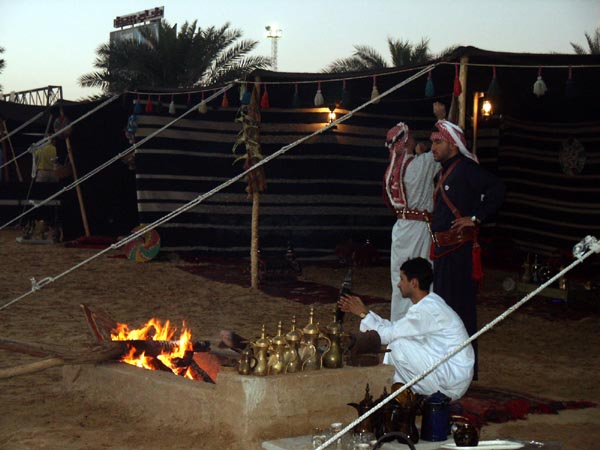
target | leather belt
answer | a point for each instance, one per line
(413, 214)
(453, 237)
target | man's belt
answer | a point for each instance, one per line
(453, 236)
(413, 214)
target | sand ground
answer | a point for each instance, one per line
(558, 359)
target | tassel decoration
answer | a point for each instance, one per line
(477, 273)
(243, 91)
(296, 99)
(159, 105)
(346, 99)
(137, 107)
(375, 91)
(149, 105)
(319, 99)
(189, 99)
(539, 87)
(172, 106)
(264, 100)
(570, 90)
(493, 91)
(457, 88)
(429, 88)
(202, 107)
(246, 97)
(225, 101)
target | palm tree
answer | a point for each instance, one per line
(1, 65)
(194, 56)
(402, 53)
(593, 42)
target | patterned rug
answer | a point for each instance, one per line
(482, 405)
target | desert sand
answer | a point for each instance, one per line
(557, 359)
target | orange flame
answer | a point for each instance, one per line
(154, 330)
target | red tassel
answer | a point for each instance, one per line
(456, 91)
(264, 100)
(225, 102)
(477, 267)
(149, 105)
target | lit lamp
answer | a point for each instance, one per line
(331, 116)
(486, 109)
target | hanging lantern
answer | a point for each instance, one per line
(172, 105)
(264, 100)
(202, 107)
(319, 99)
(570, 90)
(296, 99)
(539, 87)
(375, 92)
(429, 88)
(149, 104)
(457, 88)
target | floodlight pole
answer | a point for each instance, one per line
(274, 34)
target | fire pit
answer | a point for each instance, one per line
(249, 408)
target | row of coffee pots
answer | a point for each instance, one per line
(297, 350)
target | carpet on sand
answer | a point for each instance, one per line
(482, 405)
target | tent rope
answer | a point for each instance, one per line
(33, 147)
(110, 161)
(20, 127)
(581, 251)
(201, 198)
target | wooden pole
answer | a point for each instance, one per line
(25, 369)
(462, 98)
(12, 150)
(254, 241)
(86, 227)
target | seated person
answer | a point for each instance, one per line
(429, 330)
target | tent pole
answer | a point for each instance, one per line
(254, 243)
(12, 150)
(86, 227)
(462, 98)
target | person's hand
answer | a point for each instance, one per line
(461, 223)
(439, 110)
(420, 148)
(352, 304)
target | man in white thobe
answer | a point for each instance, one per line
(429, 330)
(408, 184)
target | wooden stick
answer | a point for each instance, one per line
(86, 227)
(13, 152)
(25, 369)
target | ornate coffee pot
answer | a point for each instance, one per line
(332, 358)
(247, 361)
(277, 352)
(261, 347)
(367, 425)
(312, 358)
(399, 415)
(293, 363)
(465, 433)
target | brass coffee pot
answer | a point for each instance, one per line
(367, 425)
(261, 347)
(312, 358)
(332, 358)
(277, 352)
(247, 361)
(400, 413)
(293, 363)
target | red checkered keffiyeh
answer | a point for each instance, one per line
(449, 132)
